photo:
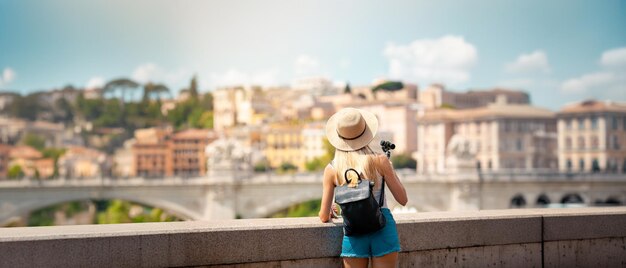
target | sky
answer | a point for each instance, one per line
(558, 51)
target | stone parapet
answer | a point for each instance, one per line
(502, 238)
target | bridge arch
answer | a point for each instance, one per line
(572, 198)
(517, 201)
(28, 207)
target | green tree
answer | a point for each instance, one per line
(287, 167)
(116, 212)
(15, 172)
(193, 88)
(403, 161)
(262, 166)
(347, 90)
(319, 163)
(306, 209)
(122, 87)
(389, 86)
(34, 140)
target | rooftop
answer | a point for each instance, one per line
(590, 106)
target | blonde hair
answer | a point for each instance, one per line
(362, 160)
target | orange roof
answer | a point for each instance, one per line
(192, 134)
(25, 152)
(590, 106)
(83, 151)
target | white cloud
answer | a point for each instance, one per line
(614, 57)
(607, 83)
(536, 61)
(306, 65)
(8, 75)
(150, 72)
(95, 82)
(588, 82)
(234, 77)
(444, 60)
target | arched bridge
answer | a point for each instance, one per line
(226, 197)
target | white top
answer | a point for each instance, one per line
(375, 191)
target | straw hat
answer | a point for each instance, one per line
(351, 129)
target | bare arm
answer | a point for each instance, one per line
(392, 181)
(328, 185)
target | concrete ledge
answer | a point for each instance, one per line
(514, 236)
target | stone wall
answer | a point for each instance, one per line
(584, 237)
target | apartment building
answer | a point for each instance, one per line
(500, 137)
(238, 106)
(188, 156)
(436, 96)
(81, 162)
(161, 152)
(283, 144)
(592, 137)
(313, 137)
(152, 153)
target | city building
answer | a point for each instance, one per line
(5, 150)
(152, 155)
(188, 151)
(123, 160)
(397, 118)
(436, 96)
(316, 86)
(496, 137)
(7, 98)
(81, 162)
(283, 144)
(313, 140)
(592, 136)
(240, 106)
(159, 152)
(31, 161)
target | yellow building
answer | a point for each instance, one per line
(592, 136)
(81, 162)
(283, 144)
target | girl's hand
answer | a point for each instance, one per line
(334, 211)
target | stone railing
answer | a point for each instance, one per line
(584, 237)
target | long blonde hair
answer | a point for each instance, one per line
(362, 160)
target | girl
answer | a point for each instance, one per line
(350, 131)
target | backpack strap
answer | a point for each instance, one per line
(382, 194)
(345, 175)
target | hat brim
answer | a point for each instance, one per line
(371, 128)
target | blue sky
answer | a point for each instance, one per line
(558, 51)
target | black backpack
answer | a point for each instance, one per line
(359, 209)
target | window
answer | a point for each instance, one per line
(594, 142)
(519, 144)
(581, 123)
(581, 164)
(568, 124)
(568, 164)
(615, 142)
(614, 122)
(568, 143)
(581, 143)
(594, 122)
